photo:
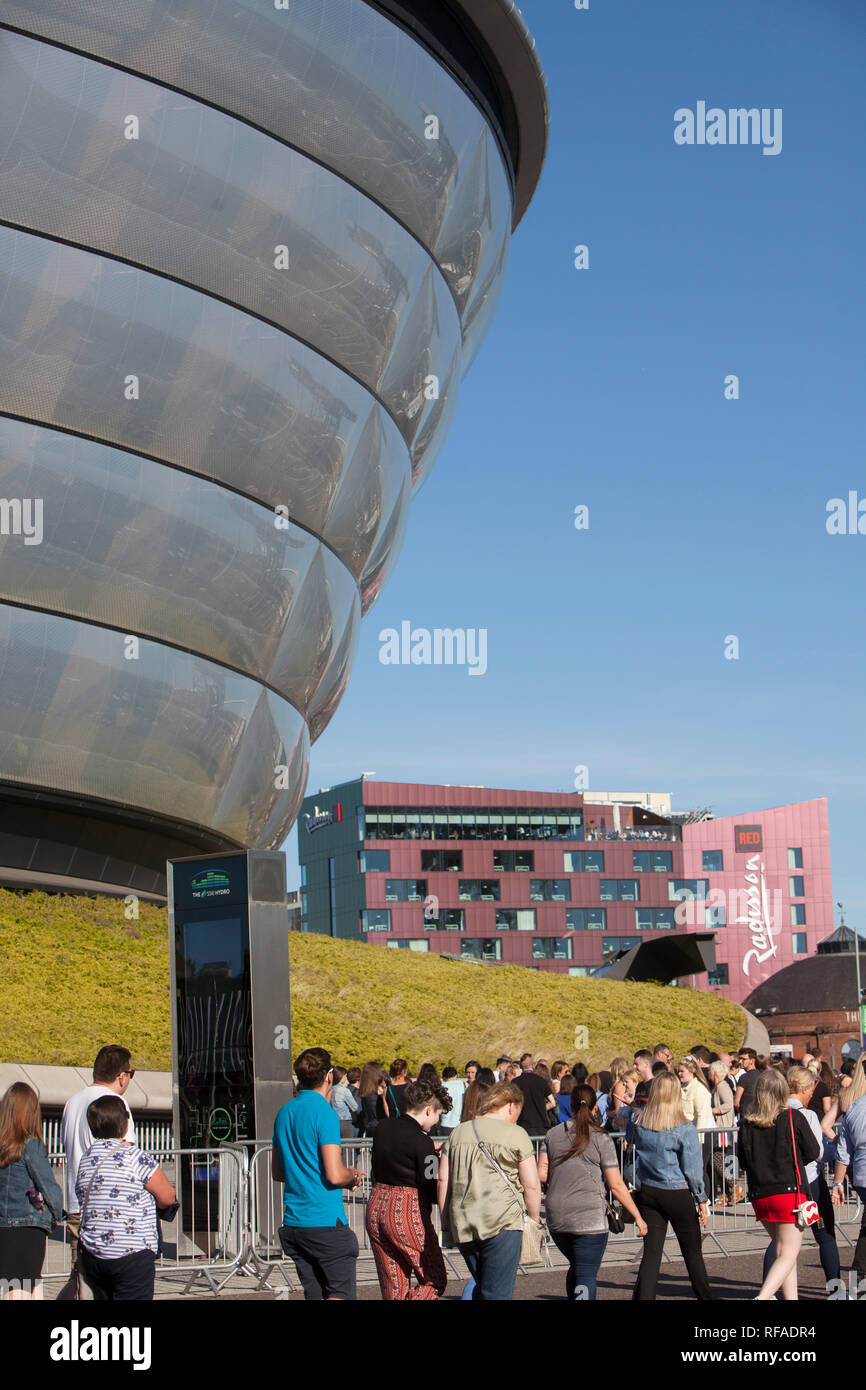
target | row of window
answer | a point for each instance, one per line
(437, 918)
(508, 861)
(395, 823)
(474, 890)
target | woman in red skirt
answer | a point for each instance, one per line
(405, 1165)
(774, 1146)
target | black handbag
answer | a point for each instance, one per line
(615, 1220)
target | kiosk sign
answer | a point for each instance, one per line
(228, 931)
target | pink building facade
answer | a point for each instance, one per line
(557, 882)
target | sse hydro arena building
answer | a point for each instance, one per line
(247, 251)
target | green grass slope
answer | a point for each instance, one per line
(76, 973)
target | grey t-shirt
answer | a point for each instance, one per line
(576, 1190)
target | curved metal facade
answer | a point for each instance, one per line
(239, 285)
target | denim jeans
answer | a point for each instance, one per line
(493, 1264)
(584, 1254)
(859, 1261)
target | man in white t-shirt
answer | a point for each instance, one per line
(112, 1074)
(456, 1089)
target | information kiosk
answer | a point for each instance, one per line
(230, 1037)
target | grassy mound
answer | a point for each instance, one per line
(77, 973)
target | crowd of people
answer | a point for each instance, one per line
(646, 1141)
(649, 1141)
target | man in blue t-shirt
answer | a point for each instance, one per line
(307, 1159)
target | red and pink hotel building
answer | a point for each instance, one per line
(563, 881)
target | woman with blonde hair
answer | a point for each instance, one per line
(618, 1068)
(728, 1192)
(698, 1108)
(30, 1200)
(670, 1179)
(775, 1146)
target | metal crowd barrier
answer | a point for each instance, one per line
(232, 1209)
(209, 1235)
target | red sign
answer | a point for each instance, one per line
(748, 839)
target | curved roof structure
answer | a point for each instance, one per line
(247, 253)
(811, 985)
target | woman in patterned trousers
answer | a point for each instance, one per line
(404, 1170)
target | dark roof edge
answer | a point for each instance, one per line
(502, 26)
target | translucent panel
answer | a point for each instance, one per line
(149, 365)
(128, 542)
(164, 732)
(335, 79)
(216, 204)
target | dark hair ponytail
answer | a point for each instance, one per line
(582, 1126)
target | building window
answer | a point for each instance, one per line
(360, 820)
(375, 919)
(332, 898)
(581, 970)
(718, 975)
(439, 861)
(795, 887)
(549, 890)
(478, 890)
(795, 859)
(515, 919)
(619, 943)
(551, 948)
(659, 861)
(687, 889)
(654, 918)
(511, 861)
(303, 875)
(444, 919)
(583, 861)
(615, 890)
(799, 940)
(712, 861)
(478, 948)
(374, 861)
(586, 918)
(798, 914)
(412, 943)
(405, 890)
(715, 917)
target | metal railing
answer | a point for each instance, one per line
(154, 1136)
(232, 1209)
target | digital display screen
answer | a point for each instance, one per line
(748, 839)
(215, 1052)
(220, 882)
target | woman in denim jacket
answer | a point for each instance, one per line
(30, 1200)
(669, 1172)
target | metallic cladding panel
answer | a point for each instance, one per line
(132, 544)
(166, 732)
(202, 197)
(220, 393)
(333, 78)
(174, 385)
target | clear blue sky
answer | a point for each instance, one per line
(605, 387)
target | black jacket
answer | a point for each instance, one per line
(768, 1158)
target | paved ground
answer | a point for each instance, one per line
(733, 1276)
